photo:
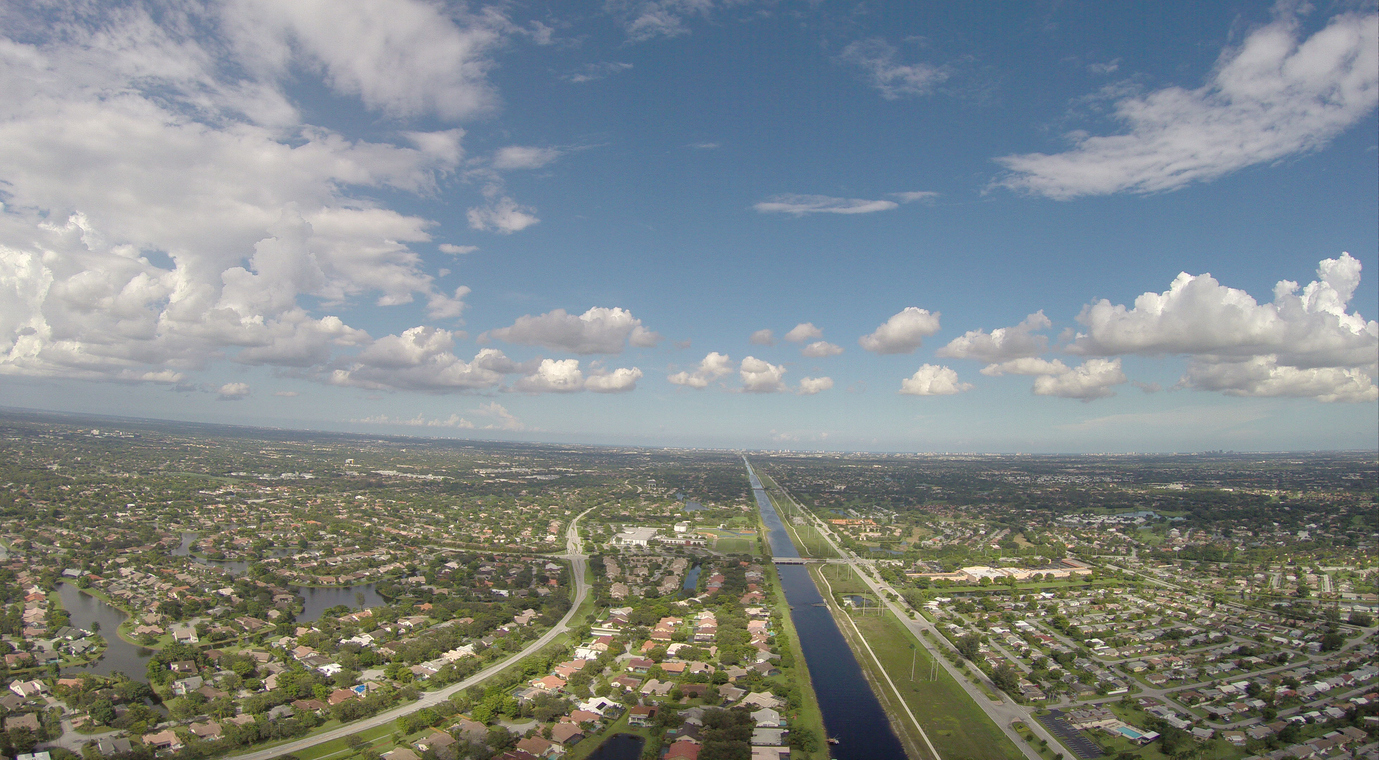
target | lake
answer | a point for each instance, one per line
(120, 655)
(316, 600)
(619, 747)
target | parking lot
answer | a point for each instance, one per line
(1075, 740)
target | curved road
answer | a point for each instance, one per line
(574, 553)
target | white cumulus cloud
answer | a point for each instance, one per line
(565, 376)
(811, 385)
(1271, 97)
(902, 333)
(405, 57)
(802, 332)
(233, 391)
(1090, 380)
(1310, 326)
(621, 380)
(763, 338)
(760, 376)
(423, 359)
(166, 206)
(1239, 345)
(1026, 365)
(599, 330)
(1001, 344)
(1264, 376)
(819, 349)
(713, 367)
(553, 376)
(933, 380)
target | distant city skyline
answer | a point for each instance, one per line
(927, 227)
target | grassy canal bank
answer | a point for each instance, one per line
(930, 712)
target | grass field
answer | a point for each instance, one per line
(956, 726)
(735, 545)
(958, 729)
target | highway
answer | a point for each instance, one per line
(574, 551)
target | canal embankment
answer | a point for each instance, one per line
(851, 713)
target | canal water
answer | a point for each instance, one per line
(852, 714)
(120, 655)
(692, 579)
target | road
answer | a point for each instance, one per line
(1004, 713)
(574, 551)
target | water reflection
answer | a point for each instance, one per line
(120, 655)
(619, 747)
(692, 579)
(316, 600)
(234, 567)
(850, 709)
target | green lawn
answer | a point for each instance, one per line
(957, 727)
(735, 545)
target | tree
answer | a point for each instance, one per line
(969, 646)
(1006, 678)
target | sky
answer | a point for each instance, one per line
(910, 226)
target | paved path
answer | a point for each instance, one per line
(573, 551)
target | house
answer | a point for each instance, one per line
(401, 753)
(210, 730)
(568, 734)
(538, 747)
(187, 685)
(682, 751)
(599, 705)
(440, 742)
(310, 705)
(28, 720)
(164, 739)
(108, 746)
(769, 737)
(340, 695)
(767, 718)
(549, 683)
(641, 715)
(696, 690)
(27, 689)
(471, 730)
(760, 699)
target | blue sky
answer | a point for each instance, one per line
(912, 227)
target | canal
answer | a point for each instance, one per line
(852, 714)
